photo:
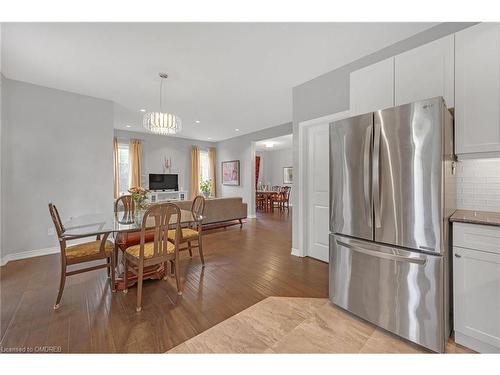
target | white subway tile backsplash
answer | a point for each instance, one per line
(478, 184)
(474, 180)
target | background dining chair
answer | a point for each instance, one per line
(124, 209)
(125, 204)
(157, 218)
(282, 198)
(81, 253)
(260, 201)
(285, 198)
(192, 234)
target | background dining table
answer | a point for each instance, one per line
(114, 223)
(269, 195)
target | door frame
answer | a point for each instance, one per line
(303, 194)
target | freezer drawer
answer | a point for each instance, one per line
(398, 290)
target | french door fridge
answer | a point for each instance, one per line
(391, 194)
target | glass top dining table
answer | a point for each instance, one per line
(116, 222)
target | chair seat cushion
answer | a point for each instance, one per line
(187, 234)
(148, 249)
(88, 249)
(125, 240)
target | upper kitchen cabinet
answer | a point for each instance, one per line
(372, 87)
(426, 72)
(477, 89)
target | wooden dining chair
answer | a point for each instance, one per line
(90, 251)
(192, 234)
(285, 198)
(124, 209)
(125, 203)
(158, 218)
(260, 201)
(282, 198)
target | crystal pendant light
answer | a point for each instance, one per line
(161, 122)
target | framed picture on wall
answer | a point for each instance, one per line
(287, 175)
(231, 172)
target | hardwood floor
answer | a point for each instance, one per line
(243, 267)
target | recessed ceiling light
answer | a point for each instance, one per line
(236, 130)
(197, 121)
(128, 126)
(142, 110)
(269, 144)
(209, 138)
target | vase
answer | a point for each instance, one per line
(140, 202)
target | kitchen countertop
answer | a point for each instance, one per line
(476, 217)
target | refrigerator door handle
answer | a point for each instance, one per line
(376, 174)
(379, 254)
(366, 177)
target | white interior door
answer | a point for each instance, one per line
(318, 191)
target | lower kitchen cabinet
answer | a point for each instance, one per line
(476, 286)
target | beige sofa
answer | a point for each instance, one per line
(220, 211)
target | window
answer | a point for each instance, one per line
(123, 163)
(204, 166)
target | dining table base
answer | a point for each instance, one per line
(155, 272)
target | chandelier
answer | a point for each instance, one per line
(162, 123)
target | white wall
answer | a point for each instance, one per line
(243, 149)
(272, 164)
(1, 127)
(56, 147)
(1, 159)
(156, 147)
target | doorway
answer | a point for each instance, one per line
(313, 188)
(318, 186)
(273, 175)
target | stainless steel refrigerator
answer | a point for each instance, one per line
(392, 191)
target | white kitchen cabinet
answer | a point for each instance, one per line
(426, 72)
(372, 87)
(477, 89)
(476, 286)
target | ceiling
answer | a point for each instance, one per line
(228, 76)
(272, 144)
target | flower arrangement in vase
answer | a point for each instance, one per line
(205, 187)
(139, 196)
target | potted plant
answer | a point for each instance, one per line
(205, 187)
(139, 196)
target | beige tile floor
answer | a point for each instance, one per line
(299, 325)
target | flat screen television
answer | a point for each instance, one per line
(163, 181)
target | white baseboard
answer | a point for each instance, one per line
(39, 252)
(29, 254)
(297, 253)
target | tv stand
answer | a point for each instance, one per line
(166, 196)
